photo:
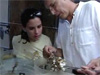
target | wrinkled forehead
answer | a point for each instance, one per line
(48, 3)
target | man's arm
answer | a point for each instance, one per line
(59, 53)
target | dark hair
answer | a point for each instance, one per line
(27, 14)
(30, 13)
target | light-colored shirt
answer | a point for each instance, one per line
(80, 40)
(30, 50)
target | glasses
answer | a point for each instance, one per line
(36, 14)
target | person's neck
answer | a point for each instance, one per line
(70, 17)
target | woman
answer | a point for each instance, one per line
(30, 44)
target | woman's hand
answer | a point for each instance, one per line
(48, 50)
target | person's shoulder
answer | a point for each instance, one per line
(46, 39)
(89, 5)
(16, 38)
(92, 3)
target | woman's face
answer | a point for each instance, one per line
(34, 29)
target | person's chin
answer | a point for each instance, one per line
(62, 17)
(36, 38)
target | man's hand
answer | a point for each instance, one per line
(86, 70)
(93, 68)
(94, 63)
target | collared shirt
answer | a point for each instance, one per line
(80, 40)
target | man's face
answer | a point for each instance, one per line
(57, 8)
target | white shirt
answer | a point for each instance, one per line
(80, 40)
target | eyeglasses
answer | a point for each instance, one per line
(36, 14)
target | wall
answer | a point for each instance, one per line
(4, 35)
(3, 10)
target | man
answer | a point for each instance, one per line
(79, 40)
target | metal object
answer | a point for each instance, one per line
(58, 63)
(73, 70)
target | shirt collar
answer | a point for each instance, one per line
(78, 8)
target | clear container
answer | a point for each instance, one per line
(5, 54)
(24, 67)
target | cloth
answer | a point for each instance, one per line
(30, 50)
(80, 40)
